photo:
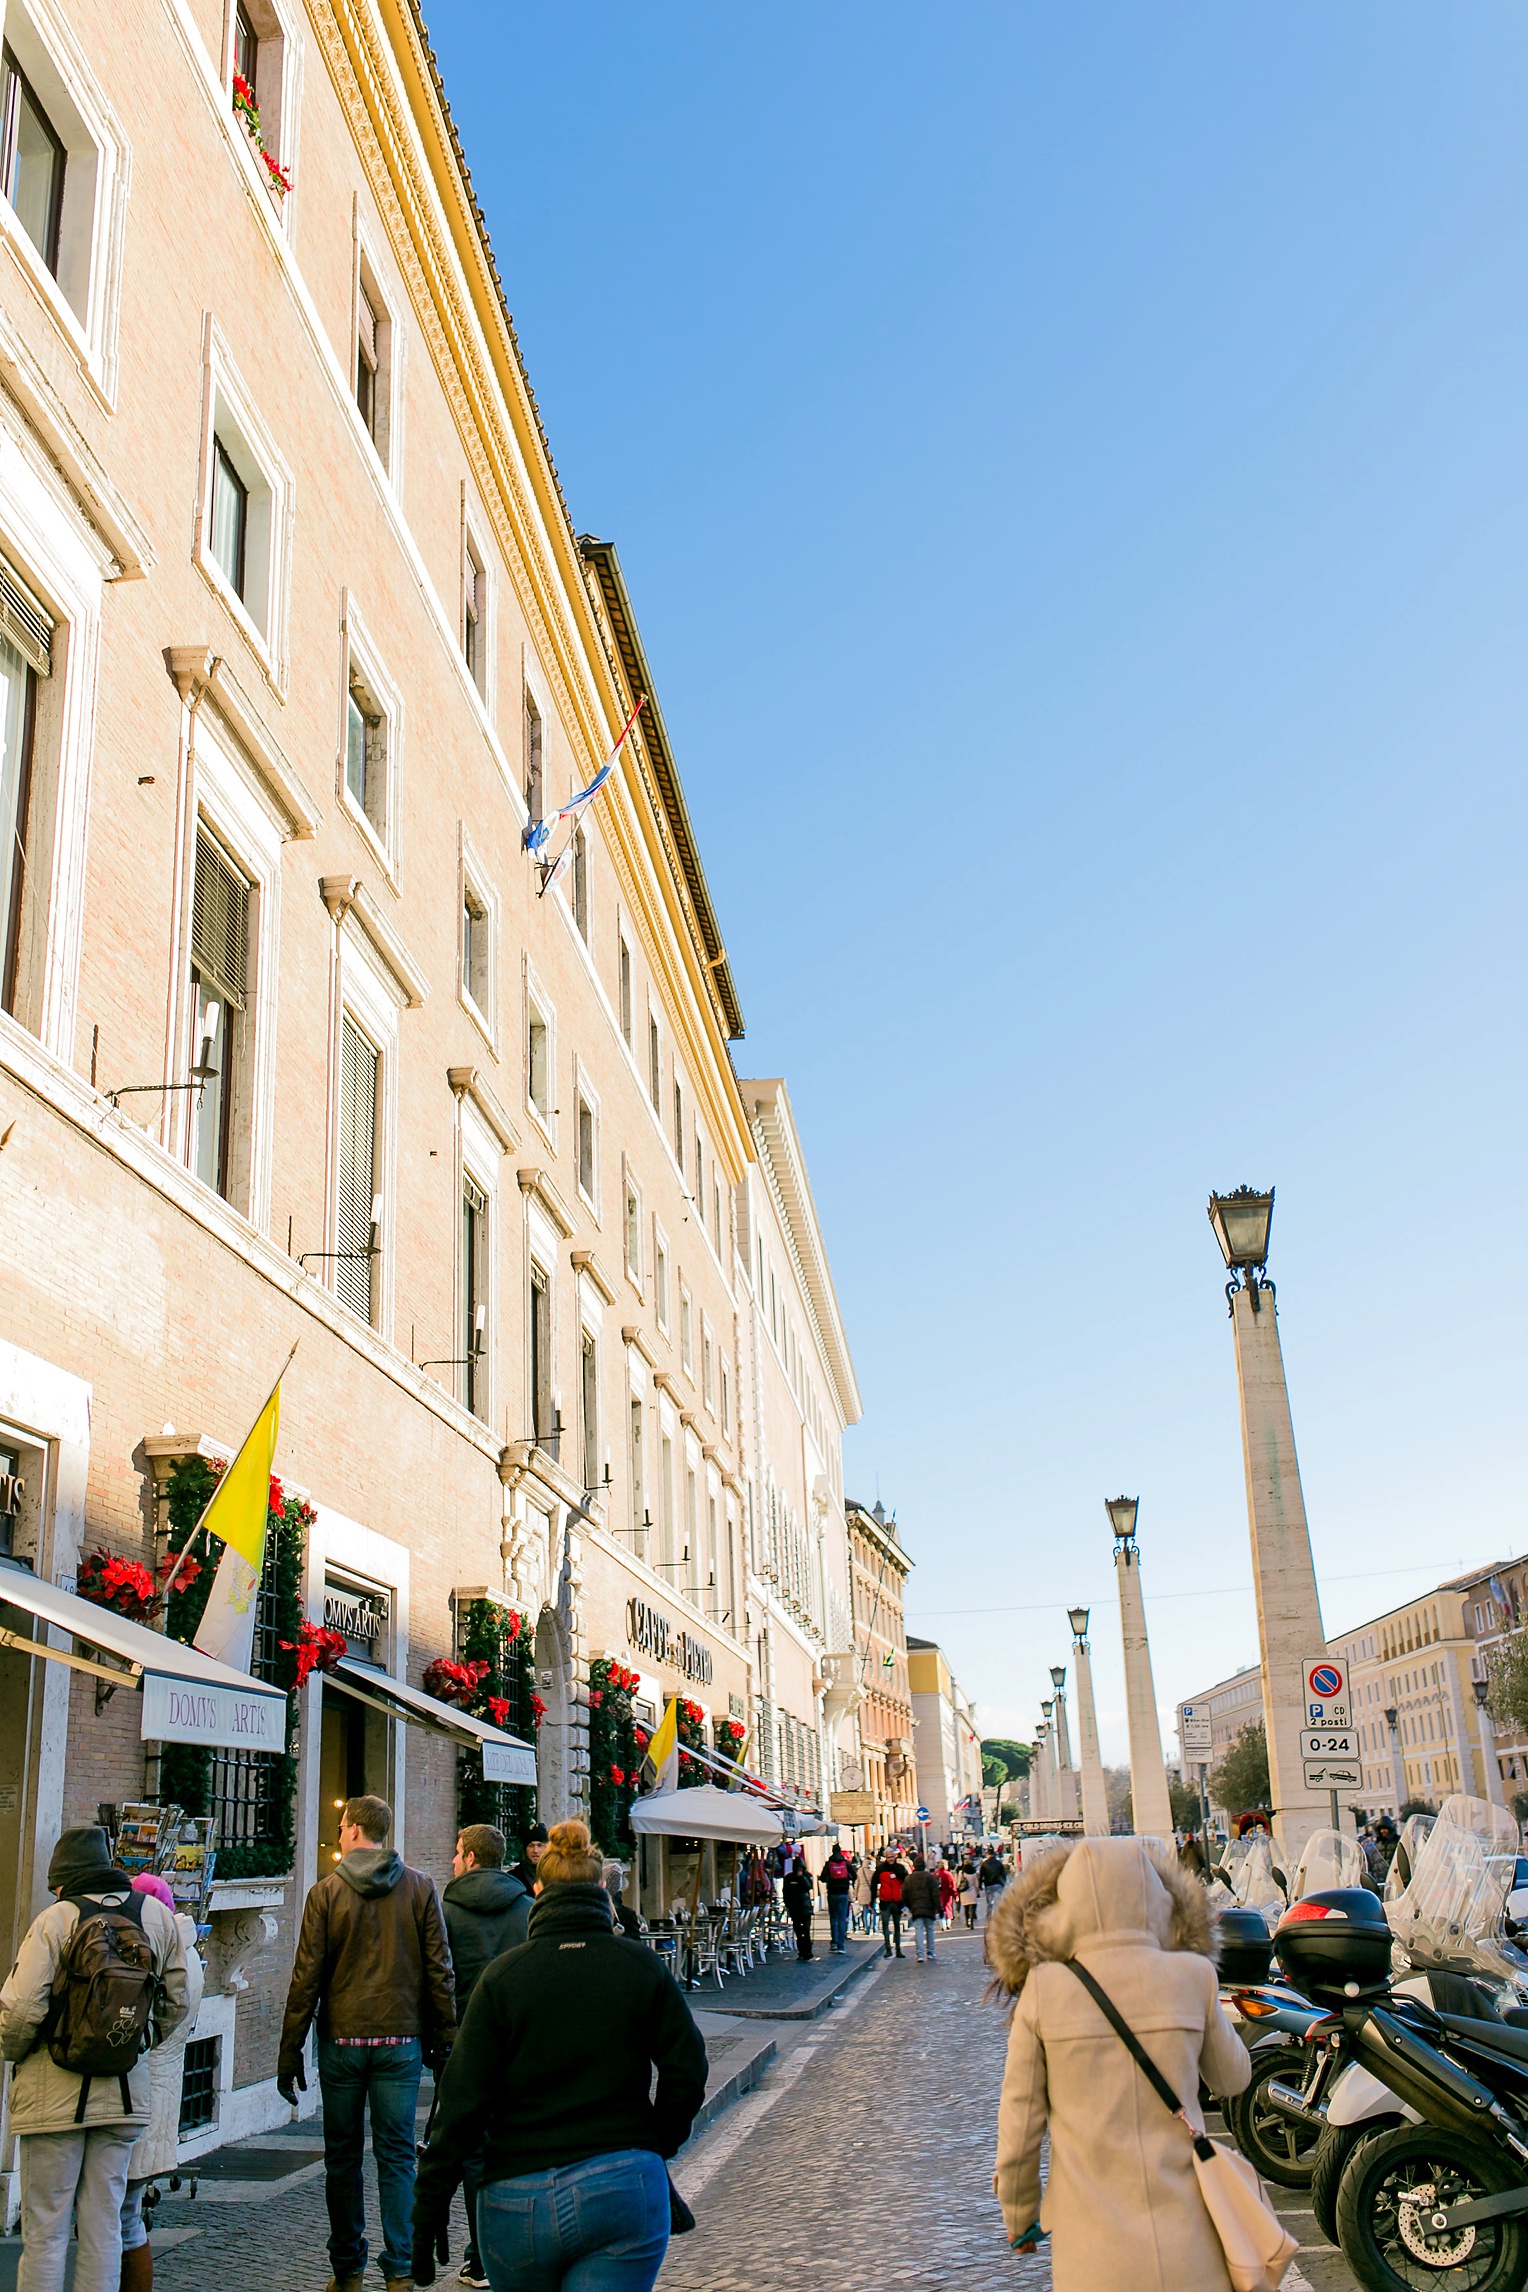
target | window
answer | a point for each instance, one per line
(359, 1206)
(633, 1233)
(219, 962)
(686, 1331)
(26, 633)
(581, 883)
(726, 1401)
(230, 519)
(589, 1409)
(373, 361)
(541, 1355)
(666, 1497)
(638, 1507)
(692, 1537)
(475, 616)
(586, 1149)
(474, 1322)
(654, 1066)
(626, 994)
(700, 1179)
(476, 974)
(246, 48)
(32, 160)
(679, 1124)
(533, 758)
(199, 2087)
(707, 1366)
(538, 1066)
(716, 1210)
(660, 1283)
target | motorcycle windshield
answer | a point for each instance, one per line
(1256, 1886)
(1453, 1911)
(1414, 1830)
(1329, 1860)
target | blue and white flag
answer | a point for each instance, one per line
(539, 834)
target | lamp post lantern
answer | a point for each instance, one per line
(1151, 1808)
(1397, 1762)
(1289, 1624)
(1488, 1759)
(1066, 1773)
(1095, 1792)
(1041, 1773)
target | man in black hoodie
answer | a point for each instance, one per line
(374, 1965)
(487, 1913)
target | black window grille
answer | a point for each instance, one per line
(199, 2087)
(242, 1784)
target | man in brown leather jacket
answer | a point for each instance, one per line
(374, 1965)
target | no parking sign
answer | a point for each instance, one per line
(1325, 1693)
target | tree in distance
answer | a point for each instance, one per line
(1240, 1782)
(1507, 1672)
(1003, 1762)
(1183, 1798)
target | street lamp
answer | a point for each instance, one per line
(1494, 1791)
(1095, 1792)
(1397, 1762)
(1042, 1770)
(1151, 1809)
(1289, 1627)
(1066, 1773)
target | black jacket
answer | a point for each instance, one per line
(487, 1913)
(553, 2062)
(921, 1894)
(993, 1872)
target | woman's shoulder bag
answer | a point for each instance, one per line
(1257, 2246)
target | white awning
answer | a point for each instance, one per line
(505, 1758)
(706, 1812)
(188, 1697)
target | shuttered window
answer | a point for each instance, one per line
(357, 1169)
(220, 923)
(28, 624)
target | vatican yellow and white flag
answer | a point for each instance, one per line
(663, 1749)
(238, 1513)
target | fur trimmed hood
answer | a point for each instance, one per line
(1093, 1889)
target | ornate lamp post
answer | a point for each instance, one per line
(1151, 1809)
(1397, 1763)
(1066, 1777)
(1488, 1759)
(1048, 1734)
(1095, 1792)
(1289, 1624)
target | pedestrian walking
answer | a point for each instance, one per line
(948, 1891)
(535, 1848)
(864, 1896)
(157, 2148)
(487, 1911)
(920, 1899)
(888, 1896)
(970, 1892)
(796, 1893)
(1121, 2205)
(993, 1876)
(99, 1959)
(373, 1965)
(1193, 1858)
(551, 2077)
(1382, 1852)
(837, 1879)
(613, 1875)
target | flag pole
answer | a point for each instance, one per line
(184, 1554)
(548, 868)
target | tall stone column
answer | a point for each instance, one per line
(1150, 1806)
(1289, 1626)
(1095, 1791)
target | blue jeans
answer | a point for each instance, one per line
(385, 2078)
(602, 2226)
(838, 1919)
(923, 1935)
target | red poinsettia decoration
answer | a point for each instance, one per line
(538, 1710)
(124, 1586)
(639, 1737)
(454, 1682)
(693, 1713)
(185, 1572)
(596, 1698)
(733, 1729)
(618, 1776)
(277, 1497)
(317, 1649)
(280, 176)
(244, 103)
(498, 1710)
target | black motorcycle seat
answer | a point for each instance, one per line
(1488, 2036)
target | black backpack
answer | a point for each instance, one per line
(104, 1995)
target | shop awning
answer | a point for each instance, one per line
(188, 1697)
(505, 1758)
(706, 1812)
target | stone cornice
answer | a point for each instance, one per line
(199, 674)
(347, 895)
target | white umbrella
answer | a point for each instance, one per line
(706, 1812)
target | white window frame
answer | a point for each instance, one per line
(707, 1362)
(372, 273)
(278, 86)
(663, 1288)
(474, 881)
(585, 1095)
(371, 1002)
(687, 1330)
(479, 1158)
(479, 572)
(86, 296)
(229, 415)
(631, 1192)
(539, 1004)
(360, 658)
(625, 993)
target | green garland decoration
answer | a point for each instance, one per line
(614, 1756)
(185, 1769)
(499, 1637)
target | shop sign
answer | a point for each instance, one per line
(851, 1806)
(190, 1711)
(508, 1763)
(361, 1616)
(653, 1634)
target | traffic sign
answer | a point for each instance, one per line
(1324, 1692)
(1329, 1743)
(1195, 1727)
(922, 1813)
(1333, 1774)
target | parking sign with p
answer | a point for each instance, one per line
(1326, 1693)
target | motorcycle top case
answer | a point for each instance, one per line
(1324, 1941)
(1246, 1946)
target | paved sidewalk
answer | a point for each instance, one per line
(787, 1988)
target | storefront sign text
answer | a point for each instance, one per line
(187, 1711)
(652, 1634)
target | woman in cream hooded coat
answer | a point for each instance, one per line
(1122, 2206)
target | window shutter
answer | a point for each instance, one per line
(358, 1126)
(220, 923)
(366, 319)
(28, 624)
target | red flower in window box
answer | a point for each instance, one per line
(124, 1586)
(498, 1710)
(277, 1495)
(316, 1648)
(512, 1628)
(454, 1682)
(693, 1713)
(596, 1698)
(244, 104)
(618, 1775)
(538, 1710)
(281, 179)
(639, 1737)
(185, 1572)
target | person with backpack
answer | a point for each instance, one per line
(157, 2148)
(837, 1879)
(100, 1978)
(373, 1965)
(993, 1875)
(920, 1899)
(796, 1893)
(888, 1895)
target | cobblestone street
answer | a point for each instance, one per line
(867, 2144)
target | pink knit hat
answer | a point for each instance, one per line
(149, 1882)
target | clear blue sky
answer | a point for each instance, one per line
(1070, 467)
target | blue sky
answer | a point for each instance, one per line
(1070, 465)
